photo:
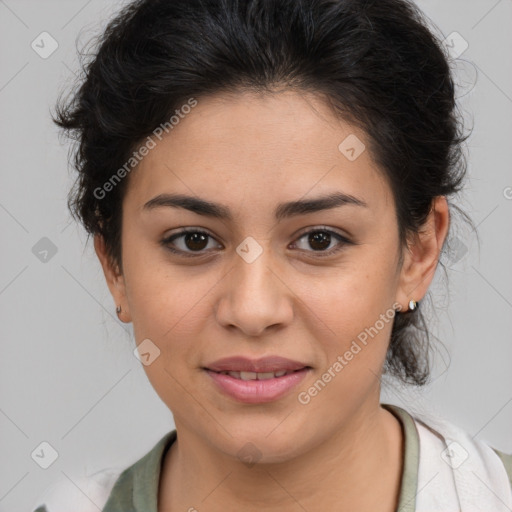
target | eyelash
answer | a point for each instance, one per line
(319, 254)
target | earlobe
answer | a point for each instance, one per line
(422, 254)
(114, 278)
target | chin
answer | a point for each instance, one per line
(262, 444)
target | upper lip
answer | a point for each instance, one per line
(264, 364)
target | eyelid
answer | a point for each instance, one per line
(343, 241)
(167, 240)
(320, 227)
(342, 238)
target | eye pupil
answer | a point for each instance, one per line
(196, 241)
(320, 237)
(196, 238)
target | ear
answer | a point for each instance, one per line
(115, 279)
(422, 253)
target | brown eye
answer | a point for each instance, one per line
(188, 242)
(195, 241)
(320, 240)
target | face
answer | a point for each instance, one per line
(316, 285)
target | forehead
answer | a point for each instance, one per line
(261, 148)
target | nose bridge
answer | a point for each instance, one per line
(257, 298)
(255, 270)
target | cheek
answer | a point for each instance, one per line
(358, 333)
(353, 351)
(162, 297)
(173, 313)
(168, 307)
(354, 317)
(352, 296)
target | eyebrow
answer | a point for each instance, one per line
(283, 210)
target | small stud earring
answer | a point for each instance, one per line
(412, 305)
(118, 311)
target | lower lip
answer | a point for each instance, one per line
(257, 391)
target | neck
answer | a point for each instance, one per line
(334, 475)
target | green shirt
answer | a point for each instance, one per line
(136, 489)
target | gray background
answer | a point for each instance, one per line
(67, 372)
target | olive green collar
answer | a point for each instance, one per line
(138, 485)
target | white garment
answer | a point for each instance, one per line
(457, 473)
(85, 494)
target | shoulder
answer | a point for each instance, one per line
(137, 486)
(84, 494)
(110, 490)
(462, 452)
(458, 471)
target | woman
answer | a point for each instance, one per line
(267, 184)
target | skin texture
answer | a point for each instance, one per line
(251, 152)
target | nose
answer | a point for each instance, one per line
(255, 296)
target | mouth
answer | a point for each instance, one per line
(268, 364)
(256, 381)
(259, 375)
